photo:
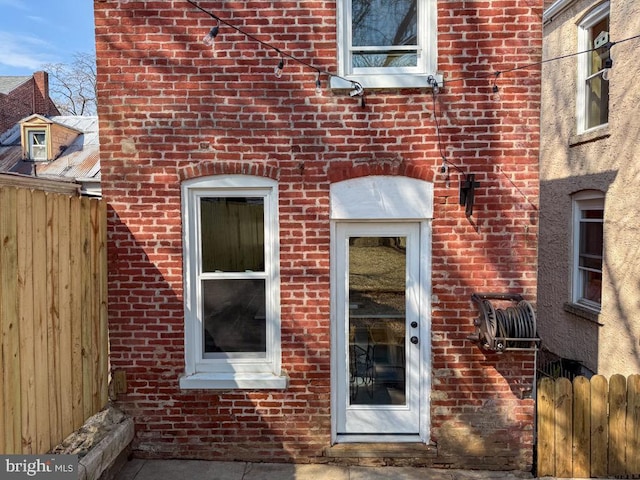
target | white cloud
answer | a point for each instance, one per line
(36, 19)
(24, 51)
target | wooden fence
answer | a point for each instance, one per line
(53, 317)
(589, 428)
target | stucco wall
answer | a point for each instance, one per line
(607, 160)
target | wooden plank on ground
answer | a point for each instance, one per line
(599, 426)
(563, 435)
(545, 427)
(633, 426)
(27, 332)
(581, 427)
(617, 429)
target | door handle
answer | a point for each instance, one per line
(414, 340)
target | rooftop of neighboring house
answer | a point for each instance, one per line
(24, 95)
(8, 83)
(74, 150)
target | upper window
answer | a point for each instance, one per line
(37, 145)
(593, 83)
(588, 237)
(232, 317)
(386, 43)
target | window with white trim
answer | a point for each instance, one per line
(37, 145)
(386, 43)
(593, 83)
(232, 308)
(588, 238)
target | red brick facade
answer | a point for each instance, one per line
(29, 98)
(172, 109)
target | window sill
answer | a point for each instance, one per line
(370, 82)
(234, 381)
(583, 312)
(590, 135)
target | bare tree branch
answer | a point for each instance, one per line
(72, 87)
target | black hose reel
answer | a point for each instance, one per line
(501, 329)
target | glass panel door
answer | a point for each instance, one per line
(377, 313)
(378, 323)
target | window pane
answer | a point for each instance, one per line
(368, 60)
(377, 316)
(38, 138)
(232, 234)
(597, 87)
(590, 255)
(37, 146)
(234, 316)
(592, 214)
(591, 239)
(597, 56)
(591, 262)
(384, 22)
(597, 101)
(591, 285)
(380, 23)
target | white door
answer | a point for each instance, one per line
(377, 315)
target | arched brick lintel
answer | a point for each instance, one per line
(347, 171)
(205, 169)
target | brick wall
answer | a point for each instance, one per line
(29, 98)
(172, 109)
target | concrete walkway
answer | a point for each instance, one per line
(138, 469)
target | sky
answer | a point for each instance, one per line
(36, 32)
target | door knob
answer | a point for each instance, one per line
(414, 340)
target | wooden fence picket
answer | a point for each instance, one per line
(589, 428)
(599, 426)
(632, 450)
(563, 420)
(617, 414)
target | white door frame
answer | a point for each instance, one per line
(386, 199)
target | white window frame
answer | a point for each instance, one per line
(584, 45)
(37, 152)
(243, 372)
(587, 200)
(400, 77)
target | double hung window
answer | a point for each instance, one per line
(386, 43)
(232, 317)
(593, 83)
(37, 145)
(588, 239)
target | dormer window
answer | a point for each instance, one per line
(44, 139)
(38, 145)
